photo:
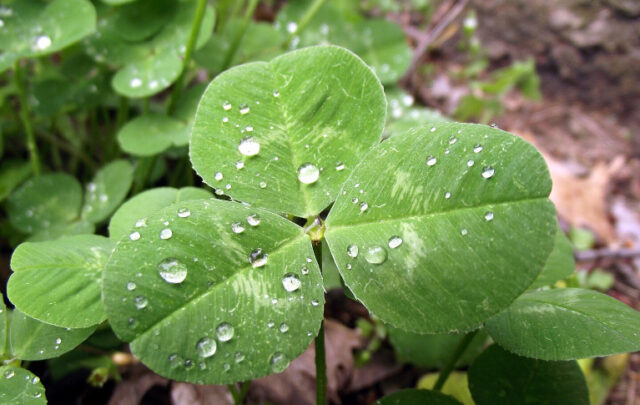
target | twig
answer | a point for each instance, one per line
(596, 254)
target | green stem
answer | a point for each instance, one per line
(453, 360)
(239, 394)
(308, 15)
(321, 364)
(236, 40)
(24, 117)
(123, 112)
(191, 44)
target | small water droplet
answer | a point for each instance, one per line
(433, 129)
(395, 241)
(284, 328)
(304, 270)
(352, 251)
(478, 148)
(355, 200)
(270, 324)
(276, 93)
(463, 231)
(225, 332)
(239, 357)
(470, 162)
(175, 360)
(249, 146)
(8, 374)
(135, 82)
(37, 395)
(218, 176)
(257, 258)
(263, 184)
(141, 222)
(315, 303)
(363, 206)
(131, 286)
(237, 227)
(244, 109)
(488, 172)
(431, 160)
(453, 140)
(172, 271)
(42, 43)
(239, 164)
(339, 166)
(206, 347)
(292, 27)
(308, 173)
(248, 128)
(140, 302)
(348, 266)
(225, 119)
(253, 219)
(488, 216)
(291, 282)
(226, 367)
(166, 233)
(134, 235)
(184, 212)
(226, 106)
(375, 255)
(447, 195)
(279, 362)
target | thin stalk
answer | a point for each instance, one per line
(321, 362)
(453, 360)
(69, 148)
(191, 44)
(32, 147)
(123, 112)
(251, 8)
(239, 394)
(308, 15)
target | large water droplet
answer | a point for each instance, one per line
(8, 374)
(352, 251)
(284, 328)
(184, 212)
(257, 258)
(166, 233)
(488, 172)
(225, 332)
(140, 302)
(249, 146)
(237, 227)
(218, 176)
(431, 160)
(131, 286)
(478, 148)
(134, 235)
(42, 42)
(175, 360)
(395, 241)
(488, 216)
(308, 173)
(206, 347)
(244, 109)
(172, 271)
(291, 282)
(279, 362)
(253, 219)
(226, 106)
(375, 255)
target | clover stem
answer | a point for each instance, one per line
(453, 360)
(321, 365)
(251, 8)
(308, 15)
(239, 394)
(191, 44)
(123, 112)
(32, 147)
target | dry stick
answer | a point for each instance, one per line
(596, 254)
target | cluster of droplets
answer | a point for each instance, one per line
(375, 254)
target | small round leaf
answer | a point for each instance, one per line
(560, 263)
(20, 386)
(107, 190)
(149, 76)
(150, 134)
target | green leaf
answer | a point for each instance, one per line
(150, 134)
(12, 173)
(35, 340)
(34, 28)
(141, 19)
(403, 115)
(185, 111)
(44, 201)
(107, 190)
(423, 230)
(4, 328)
(176, 33)
(56, 231)
(456, 386)
(433, 351)
(417, 397)
(20, 386)
(298, 116)
(565, 324)
(146, 203)
(148, 76)
(52, 281)
(194, 308)
(560, 263)
(499, 377)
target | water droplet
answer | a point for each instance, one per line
(308, 173)
(135, 82)
(395, 241)
(218, 176)
(431, 160)
(270, 324)
(447, 195)
(225, 332)
(339, 166)
(478, 148)
(470, 162)
(292, 27)
(488, 216)
(249, 146)
(488, 172)
(239, 164)
(184, 212)
(131, 286)
(263, 184)
(248, 128)
(141, 222)
(433, 129)
(291, 282)
(206, 347)
(304, 270)
(348, 266)
(284, 328)
(257, 258)
(172, 271)
(244, 109)
(363, 206)
(253, 219)
(140, 302)
(276, 93)
(225, 119)
(375, 255)
(134, 235)
(131, 321)
(226, 367)
(226, 106)
(237, 227)
(8, 374)
(279, 362)
(453, 140)
(37, 395)
(315, 303)
(228, 186)
(166, 233)
(352, 251)
(463, 231)
(42, 43)
(239, 357)
(355, 200)
(175, 360)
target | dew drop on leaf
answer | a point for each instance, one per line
(291, 282)
(42, 42)
(239, 164)
(8, 374)
(226, 367)
(131, 286)
(352, 251)
(375, 255)
(279, 362)
(478, 148)
(141, 302)
(218, 176)
(134, 235)
(263, 184)
(249, 146)
(308, 173)
(431, 160)
(315, 303)
(172, 271)
(363, 206)
(339, 166)
(488, 172)
(447, 195)
(395, 241)
(463, 231)
(453, 140)
(257, 258)
(175, 360)
(488, 216)
(276, 93)
(225, 332)
(244, 109)
(354, 200)
(284, 328)
(248, 128)
(470, 162)
(237, 227)
(239, 357)
(253, 219)
(135, 83)
(166, 233)
(184, 212)
(304, 270)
